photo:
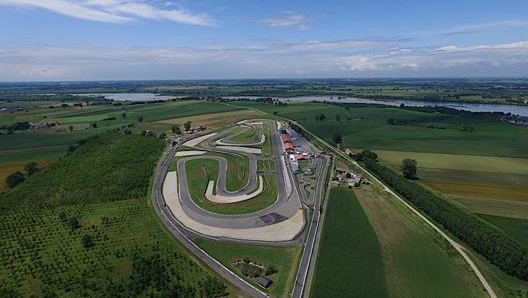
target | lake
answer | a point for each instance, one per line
(130, 96)
(471, 107)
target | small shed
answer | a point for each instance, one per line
(264, 282)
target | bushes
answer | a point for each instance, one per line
(14, 179)
(484, 238)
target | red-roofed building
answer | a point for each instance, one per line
(288, 147)
(285, 138)
(300, 156)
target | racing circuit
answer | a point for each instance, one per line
(285, 221)
(282, 221)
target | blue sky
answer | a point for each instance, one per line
(210, 39)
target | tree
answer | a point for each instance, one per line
(94, 125)
(31, 168)
(337, 138)
(63, 216)
(87, 241)
(14, 179)
(140, 119)
(73, 222)
(70, 128)
(409, 168)
(124, 114)
(176, 129)
(187, 125)
(322, 117)
(338, 117)
(369, 154)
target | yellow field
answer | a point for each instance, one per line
(212, 121)
(483, 184)
(480, 190)
(458, 162)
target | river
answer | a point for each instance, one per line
(471, 107)
(129, 96)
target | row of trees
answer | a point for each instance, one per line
(493, 244)
(18, 177)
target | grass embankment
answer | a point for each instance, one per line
(237, 170)
(285, 260)
(201, 171)
(266, 165)
(100, 190)
(266, 147)
(349, 261)
(246, 135)
(418, 262)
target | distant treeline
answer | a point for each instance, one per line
(11, 97)
(16, 126)
(493, 244)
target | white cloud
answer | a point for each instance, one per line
(45, 62)
(521, 45)
(485, 27)
(357, 63)
(113, 11)
(289, 20)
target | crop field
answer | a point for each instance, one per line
(89, 230)
(417, 262)
(285, 260)
(367, 127)
(47, 144)
(475, 160)
(349, 261)
(215, 120)
(469, 178)
(475, 163)
(515, 227)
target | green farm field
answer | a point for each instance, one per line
(47, 144)
(285, 260)
(99, 191)
(367, 127)
(349, 260)
(417, 261)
